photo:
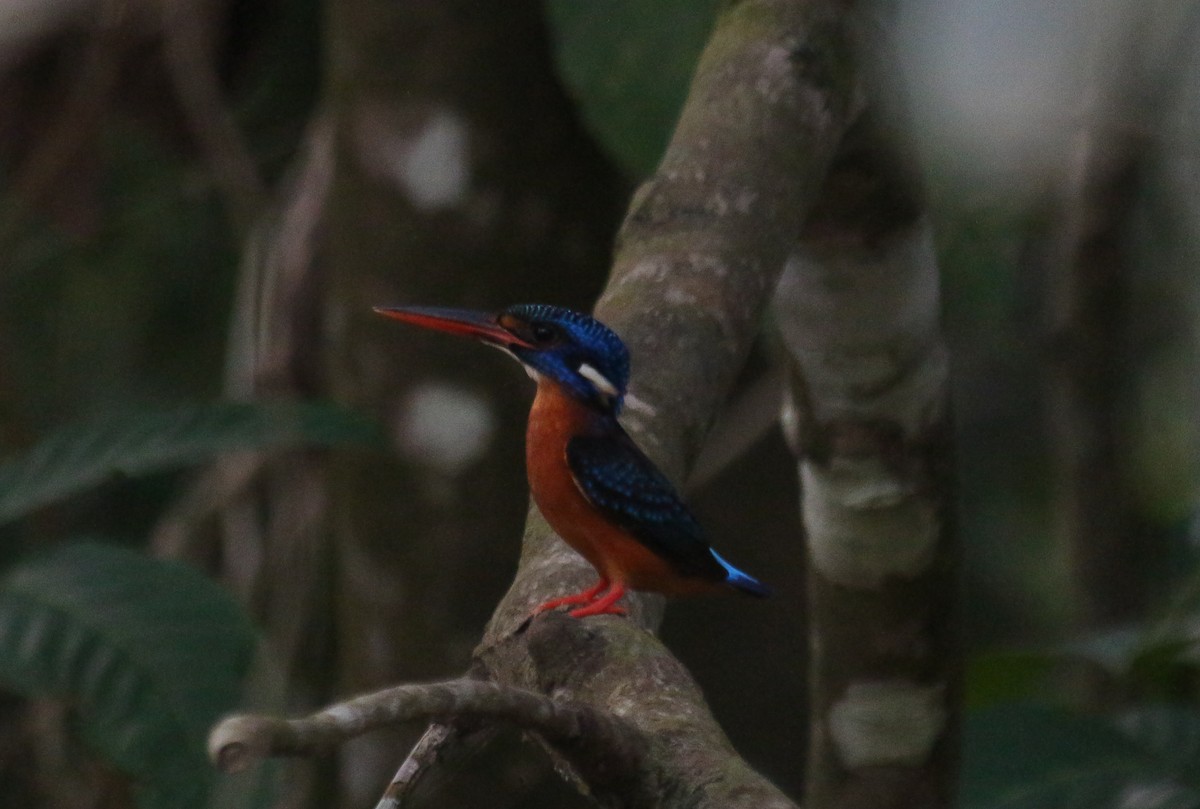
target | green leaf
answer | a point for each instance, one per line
(1019, 756)
(83, 455)
(629, 64)
(150, 652)
(1011, 676)
(1149, 658)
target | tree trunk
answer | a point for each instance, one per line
(869, 417)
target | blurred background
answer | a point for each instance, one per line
(212, 447)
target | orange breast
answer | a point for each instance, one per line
(556, 418)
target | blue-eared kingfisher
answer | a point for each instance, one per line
(591, 482)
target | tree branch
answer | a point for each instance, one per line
(705, 241)
(238, 741)
(697, 259)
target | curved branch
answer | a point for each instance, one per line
(698, 256)
(239, 741)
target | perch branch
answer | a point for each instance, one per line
(697, 258)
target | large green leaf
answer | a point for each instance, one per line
(1013, 676)
(1155, 660)
(629, 64)
(1020, 756)
(82, 455)
(150, 652)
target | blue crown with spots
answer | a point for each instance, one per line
(575, 350)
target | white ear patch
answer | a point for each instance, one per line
(598, 379)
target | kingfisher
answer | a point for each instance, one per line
(592, 483)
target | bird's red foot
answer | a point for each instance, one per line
(586, 597)
(605, 605)
(593, 603)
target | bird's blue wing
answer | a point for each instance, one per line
(616, 477)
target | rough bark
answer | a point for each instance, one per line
(859, 313)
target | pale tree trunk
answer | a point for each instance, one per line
(868, 416)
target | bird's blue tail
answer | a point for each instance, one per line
(742, 581)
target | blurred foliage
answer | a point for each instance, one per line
(1022, 756)
(149, 653)
(116, 280)
(82, 455)
(993, 313)
(115, 284)
(136, 311)
(1110, 719)
(628, 63)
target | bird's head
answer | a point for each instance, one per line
(569, 348)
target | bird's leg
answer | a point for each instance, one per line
(605, 605)
(586, 597)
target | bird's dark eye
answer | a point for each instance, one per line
(544, 332)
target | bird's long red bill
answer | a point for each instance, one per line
(466, 322)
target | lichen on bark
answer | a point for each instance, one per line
(859, 313)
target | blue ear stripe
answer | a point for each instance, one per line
(741, 581)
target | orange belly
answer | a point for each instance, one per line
(557, 417)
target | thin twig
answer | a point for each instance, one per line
(437, 740)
